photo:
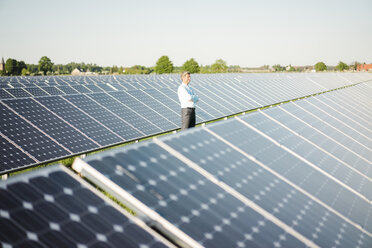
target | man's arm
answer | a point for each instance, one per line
(184, 95)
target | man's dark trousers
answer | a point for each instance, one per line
(188, 118)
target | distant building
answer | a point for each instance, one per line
(2, 65)
(76, 72)
(364, 67)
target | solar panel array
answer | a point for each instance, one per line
(50, 118)
(52, 207)
(294, 175)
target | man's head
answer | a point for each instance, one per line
(185, 77)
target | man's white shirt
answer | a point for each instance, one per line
(187, 96)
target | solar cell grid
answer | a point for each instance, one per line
(313, 153)
(336, 119)
(208, 97)
(157, 106)
(290, 167)
(350, 109)
(28, 137)
(321, 121)
(66, 135)
(51, 208)
(225, 92)
(81, 89)
(141, 109)
(135, 121)
(293, 120)
(81, 121)
(18, 92)
(104, 116)
(262, 187)
(52, 90)
(4, 94)
(35, 91)
(189, 201)
(222, 99)
(12, 157)
(67, 89)
(94, 88)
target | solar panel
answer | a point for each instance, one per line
(28, 139)
(146, 112)
(285, 163)
(94, 88)
(195, 210)
(53, 90)
(18, 92)
(312, 152)
(81, 89)
(293, 120)
(12, 157)
(67, 136)
(159, 108)
(260, 185)
(51, 207)
(35, 91)
(148, 105)
(157, 178)
(4, 94)
(89, 126)
(67, 89)
(134, 120)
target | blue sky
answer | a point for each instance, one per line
(246, 33)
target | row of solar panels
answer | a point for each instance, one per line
(294, 175)
(118, 82)
(35, 130)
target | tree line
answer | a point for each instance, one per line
(163, 65)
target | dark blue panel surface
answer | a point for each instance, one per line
(104, 116)
(158, 107)
(53, 90)
(36, 214)
(126, 114)
(290, 167)
(260, 186)
(11, 157)
(188, 200)
(35, 91)
(28, 137)
(67, 90)
(4, 94)
(64, 134)
(340, 150)
(78, 119)
(308, 150)
(19, 92)
(141, 109)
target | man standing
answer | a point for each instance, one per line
(188, 99)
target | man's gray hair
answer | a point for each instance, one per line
(184, 74)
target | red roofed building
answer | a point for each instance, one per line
(364, 67)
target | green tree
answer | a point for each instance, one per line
(234, 68)
(25, 72)
(20, 66)
(342, 66)
(114, 69)
(33, 69)
(163, 65)
(11, 66)
(45, 65)
(137, 69)
(278, 67)
(219, 66)
(320, 66)
(191, 65)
